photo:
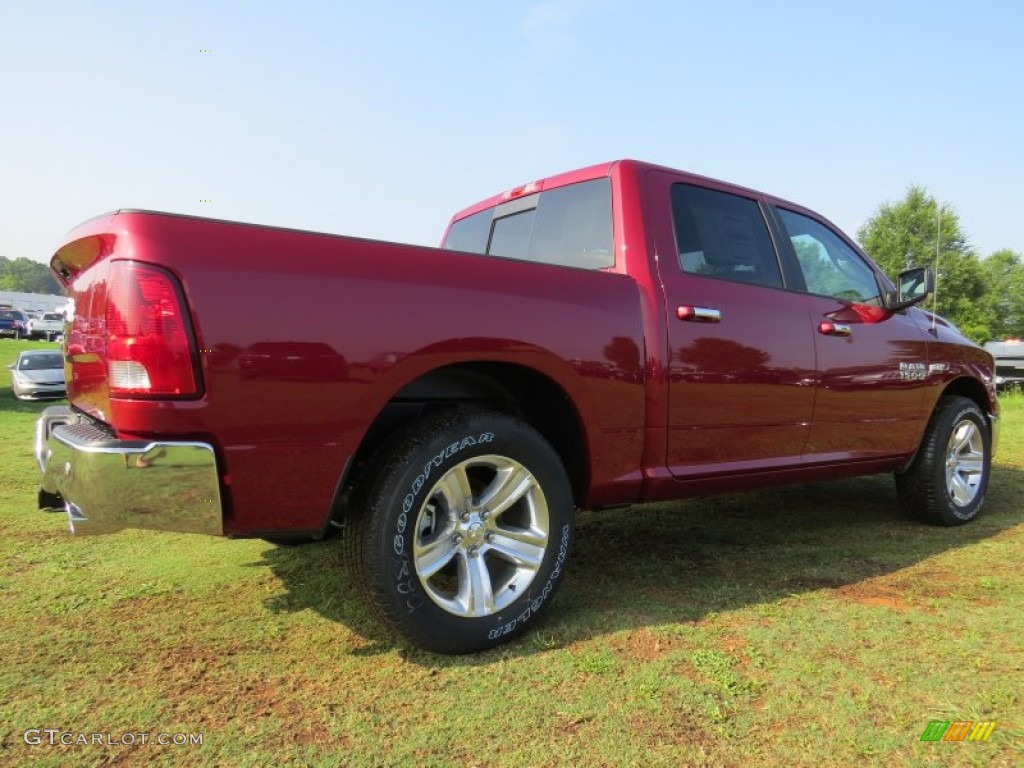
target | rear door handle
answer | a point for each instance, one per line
(698, 314)
(834, 329)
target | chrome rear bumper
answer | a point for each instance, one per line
(105, 484)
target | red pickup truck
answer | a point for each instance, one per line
(619, 334)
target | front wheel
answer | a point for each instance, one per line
(464, 531)
(946, 483)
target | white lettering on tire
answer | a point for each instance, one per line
(403, 581)
(537, 602)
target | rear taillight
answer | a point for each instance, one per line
(149, 337)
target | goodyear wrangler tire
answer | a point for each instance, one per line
(465, 531)
(946, 483)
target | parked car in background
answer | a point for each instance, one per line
(1009, 355)
(37, 374)
(13, 323)
(47, 326)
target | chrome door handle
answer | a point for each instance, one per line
(834, 329)
(698, 314)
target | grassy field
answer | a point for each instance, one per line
(812, 626)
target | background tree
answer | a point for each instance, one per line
(901, 235)
(27, 276)
(1003, 273)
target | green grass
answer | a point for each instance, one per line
(811, 626)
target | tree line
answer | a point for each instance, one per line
(984, 298)
(27, 276)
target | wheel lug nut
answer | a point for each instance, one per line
(489, 537)
(473, 551)
(457, 538)
(465, 517)
(484, 514)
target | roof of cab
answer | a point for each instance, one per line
(606, 169)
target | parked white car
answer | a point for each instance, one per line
(1009, 355)
(38, 373)
(47, 326)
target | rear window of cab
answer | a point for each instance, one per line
(570, 226)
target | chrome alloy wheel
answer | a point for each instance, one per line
(965, 462)
(480, 536)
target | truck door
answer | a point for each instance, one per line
(872, 364)
(740, 359)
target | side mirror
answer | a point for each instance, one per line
(912, 287)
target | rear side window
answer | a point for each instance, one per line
(723, 235)
(570, 225)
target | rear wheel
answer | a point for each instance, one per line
(946, 483)
(461, 536)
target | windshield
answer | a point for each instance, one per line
(53, 316)
(41, 362)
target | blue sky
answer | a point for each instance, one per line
(382, 119)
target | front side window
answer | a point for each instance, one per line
(570, 225)
(723, 235)
(830, 267)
